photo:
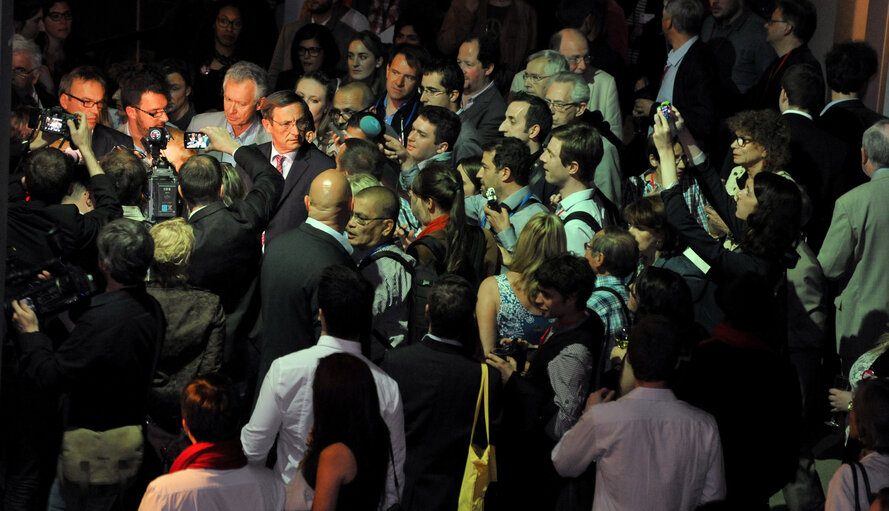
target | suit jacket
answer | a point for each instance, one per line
(854, 254)
(766, 92)
(291, 268)
(847, 121)
(227, 239)
(486, 114)
(695, 91)
(818, 162)
(439, 385)
(105, 138)
(290, 210)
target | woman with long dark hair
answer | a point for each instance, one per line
(436, 197)
(764, 217)
(313, 49)
(348, 448)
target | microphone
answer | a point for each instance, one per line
(370, 125)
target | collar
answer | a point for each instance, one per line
(195, 210)
(516, 198)
(797, 112)
(341, 238)
(575, 198)
(836, 102)
(287, 156)
(248, 133)
(345, 345)
(650, 394)
(674, 57)
(879, 172)
(445, 156)
(471, 99)
(609, 281)
(436, 338)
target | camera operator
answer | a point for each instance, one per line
(103, 368)
(47, 179)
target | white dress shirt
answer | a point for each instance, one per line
(200, 489)
(284, 408)
(652, 452)
(577, 231)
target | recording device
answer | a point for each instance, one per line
(515, 349)
(53, 120)
(371, 126)
(66, 285)
(163, 182)
(667, 110)
(196, 140)
(491, 195)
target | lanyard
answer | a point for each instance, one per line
(485, 219)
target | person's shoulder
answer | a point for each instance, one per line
(205, 119)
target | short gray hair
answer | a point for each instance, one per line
(555, 61)
(21, 44)
(580, 91)
(687, 15)
(243, 70)
(876, 143)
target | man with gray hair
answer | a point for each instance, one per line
(244, 89)
(541, 66)
(689, 81)
(567, 97)
(26, 60)
(855, 248)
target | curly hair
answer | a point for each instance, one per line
(766, 128)
(773, 228)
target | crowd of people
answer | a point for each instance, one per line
(632, 244)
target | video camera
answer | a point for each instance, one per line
(163, 181)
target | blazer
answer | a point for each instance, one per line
(104, 139)
(439, 385)
(847, 121)
(854, 254)
(695, 91)
(290, 211)
(818, 162)
(486, 114)
(291, 268)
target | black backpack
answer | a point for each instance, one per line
(612, 214)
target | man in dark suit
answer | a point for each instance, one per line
(292, 266)
(483, 106)
(286, 117)
(849, 68)
(227, 239)
(439, 384)
(83, 90)
(819, 161)
(788, 30)
(689, 80)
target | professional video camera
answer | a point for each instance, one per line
(66, 284)
(163, 181)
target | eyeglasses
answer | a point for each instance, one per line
(429, 91)
(345, 114)
(224, 22)
(58, 16)
(89, 104)
(531, 77)
(156, 115)
(22, 71)
(769, 22)
(680, 159)
(314, 51)
(289, 125)
(560, 105)
(577, 59)
(363, 220)
(742, 141)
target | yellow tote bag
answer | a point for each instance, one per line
(481, 467)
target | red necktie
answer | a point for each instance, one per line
(279, 163)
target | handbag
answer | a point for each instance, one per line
(109, 457)
(858, 464)
(481, 467)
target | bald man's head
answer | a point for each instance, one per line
(573, 45)
(330, 199)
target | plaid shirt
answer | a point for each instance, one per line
(609, 308)
(691, 191)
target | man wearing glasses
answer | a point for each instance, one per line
(244, 88)
(83, 90)
(567, 97)
(442, 85)
(26, 60)
(144, 97)
(287, 120)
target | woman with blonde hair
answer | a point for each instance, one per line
(505, 307)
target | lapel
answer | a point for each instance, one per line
(206, 211)
(298, 172)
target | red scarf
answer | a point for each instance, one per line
(436, 224)
(225, 455)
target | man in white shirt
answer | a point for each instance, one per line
(569, 161)
(671, 448)
(244, 88)
(284, 407)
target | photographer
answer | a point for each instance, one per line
(103, 369)
(47, 179)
